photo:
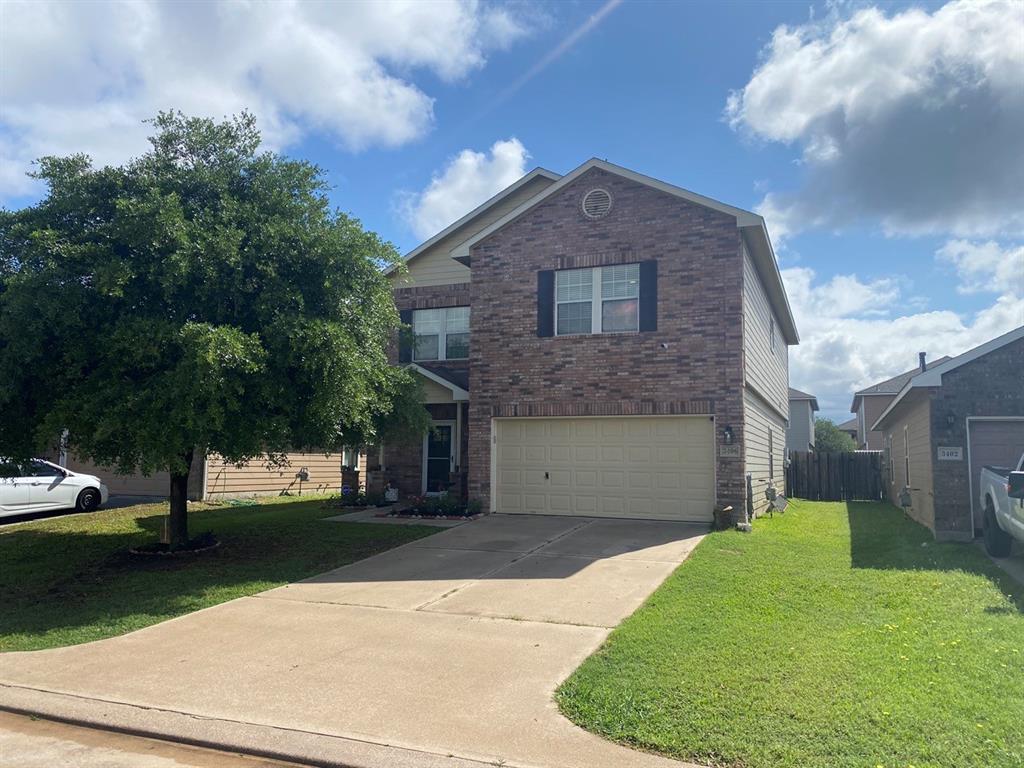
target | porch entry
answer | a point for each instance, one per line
(438, 457)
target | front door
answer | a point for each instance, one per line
(438, 457)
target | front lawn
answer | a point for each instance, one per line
(67, 580)
(834, 635)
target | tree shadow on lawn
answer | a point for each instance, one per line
(882, 537)
(85, 585)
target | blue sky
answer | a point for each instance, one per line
(881, 143)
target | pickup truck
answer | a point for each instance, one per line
(1002, 498)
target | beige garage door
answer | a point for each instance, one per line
(632, 466)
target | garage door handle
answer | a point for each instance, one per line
(546, 477)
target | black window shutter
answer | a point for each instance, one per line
(649, 295)
(546, 302)
(404, 339)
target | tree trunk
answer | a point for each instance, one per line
(177, 527)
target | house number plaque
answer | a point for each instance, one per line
(947, 453)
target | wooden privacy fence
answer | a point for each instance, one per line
(835, 476)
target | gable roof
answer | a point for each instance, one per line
(895, 384)
(796, 394)
(490, 202)
(933, 376)
(751, 226)
(444, 378)
(848, 426)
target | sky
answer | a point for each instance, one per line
(884, 144)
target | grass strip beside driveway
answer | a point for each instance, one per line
(835, 635)
(68, 580)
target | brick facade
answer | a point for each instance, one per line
(699, 370)
(991, 385)
(404, 461)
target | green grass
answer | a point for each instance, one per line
(834, 635)
(67, 580)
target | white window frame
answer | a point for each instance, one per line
(906, 455)
(442, 335)
(597, 300)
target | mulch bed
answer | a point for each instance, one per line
(203, 543)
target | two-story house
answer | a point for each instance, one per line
(800, 433)
(597, 344)
(869, 403)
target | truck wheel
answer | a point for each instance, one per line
(88, 500)
(997, 541)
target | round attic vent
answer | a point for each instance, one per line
(597, 203)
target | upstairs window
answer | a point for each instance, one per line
(597, 300)
(441, 334)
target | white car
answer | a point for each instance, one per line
(40, 486)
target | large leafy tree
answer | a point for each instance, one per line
(828, 438)
(204, 296)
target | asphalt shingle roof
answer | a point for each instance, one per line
(896, 383)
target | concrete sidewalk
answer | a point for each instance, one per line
(443, 652)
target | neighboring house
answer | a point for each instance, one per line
(600, 343)
(213, 478)
(948, 422)
(869, 403)
(800, 433)
(850, 428)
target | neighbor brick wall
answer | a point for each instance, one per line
(992, 385)
(700, 277)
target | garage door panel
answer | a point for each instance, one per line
(613, 454)
(668, 454)
(560, 478)
(993, 443)
(609, 480)
(642, 467)
(639, 480)
(668, 481)
(637, 454)
(509, 454)
(510, 502)
(561, 453)
(560, 504)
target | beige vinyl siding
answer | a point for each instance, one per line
(800, 434)
(435, 267)
(157, 485)
(914, 414)
(255, 478)
(758, 420)
(434, 392)
(764, 369)
(873, 406)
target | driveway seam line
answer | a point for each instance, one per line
(512, 562)
(492, 617)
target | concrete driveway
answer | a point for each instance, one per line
(443, 652)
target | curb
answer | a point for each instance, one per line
(271, 742)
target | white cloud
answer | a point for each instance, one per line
(855, 333)
(82, 76)
(911, 119)
(467, 180)
(985, 267)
